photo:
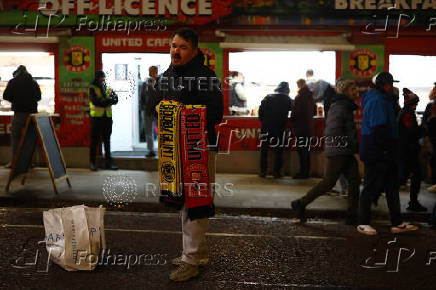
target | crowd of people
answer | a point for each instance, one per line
(389, 146)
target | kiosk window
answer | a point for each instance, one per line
(40, 65)
(259, 73)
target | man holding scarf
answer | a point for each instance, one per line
(190, 82)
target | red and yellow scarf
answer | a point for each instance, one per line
(183, 158)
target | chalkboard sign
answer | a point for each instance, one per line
(39, 127)
(51, 146)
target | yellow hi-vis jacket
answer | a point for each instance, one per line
(96, 111)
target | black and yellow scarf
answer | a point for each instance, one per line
(183, 158)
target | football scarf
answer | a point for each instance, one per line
(170, 173)
(183, 158)
(194, 157)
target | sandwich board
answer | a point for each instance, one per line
(39, 128)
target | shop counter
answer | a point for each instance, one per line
(237, 133)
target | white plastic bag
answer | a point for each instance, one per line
(75, 236)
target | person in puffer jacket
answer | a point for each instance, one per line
(379, 153)
(340, 147)
(409, 147)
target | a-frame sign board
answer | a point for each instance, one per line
(39, 127)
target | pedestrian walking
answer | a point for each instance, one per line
(409, 161)
(101, 100)
(379, 152)
(147, 110)
(303, 110)
(273, 115)
(24, 93)
(341, 145)
(196, 84)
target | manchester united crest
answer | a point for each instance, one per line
(77, 58)
(363, 63)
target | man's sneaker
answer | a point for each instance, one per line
(299, 210)
(366, 230)
(150, 154)
(262, 174)
(92, 167)
(178, 261)
(404, 227)
(184, 272)
(416, 206)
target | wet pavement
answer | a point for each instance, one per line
(236, 194)
(246, 252)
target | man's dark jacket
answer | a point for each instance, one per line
(24, 93)
(147, 92)
(340, 128)
(303, 110)
(187, 91)
(410, 133)
(273, 113)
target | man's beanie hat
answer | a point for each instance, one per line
(20, 69)
(99, 74)
(410, 98)
(283, 88)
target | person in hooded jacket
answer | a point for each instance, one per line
(379, 153)
(303, 110)
(101, 100)
(189, 81)
(24, 93)
(340, 147)
(273, 115)
(409, 134)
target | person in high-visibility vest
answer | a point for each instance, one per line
(101, 100)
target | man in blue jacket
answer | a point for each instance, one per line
(379, 152)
